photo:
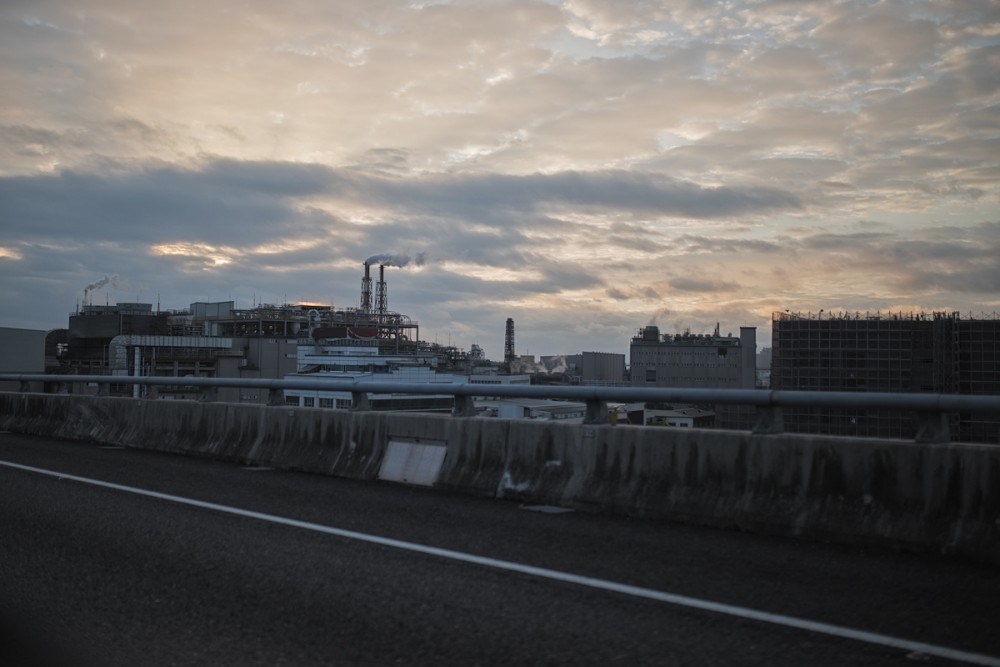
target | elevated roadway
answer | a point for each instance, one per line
(932, 496)
(117, 556)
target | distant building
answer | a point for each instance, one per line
(208, 340)
(295, 341)
(681, 418)
(602, 368)
(707, 361)
(21, 351)
(764, 368)
(92, 328)
(528, 408)
(489, 376)
(358, 358)
(911, 352)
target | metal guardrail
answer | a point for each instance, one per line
(932, 409)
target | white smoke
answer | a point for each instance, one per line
(547, 365)
(396, 260)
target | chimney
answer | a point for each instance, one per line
(366, 290)
(381, 299)
(508, 343)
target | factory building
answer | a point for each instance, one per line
(299, 341)
(708, 361)
(294, 341)
(602, 368)
(129, 339)
(353, 353)
(92, 328)
(905, 352)
(358, 358)
(705, 361)
(216, 339)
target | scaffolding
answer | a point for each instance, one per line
(886, 352)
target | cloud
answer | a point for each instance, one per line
(573, 164)
(220, 203)
(693, 244)
(702, 285)
(641, 193)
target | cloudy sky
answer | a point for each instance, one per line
(585, 167)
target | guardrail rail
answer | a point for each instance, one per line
(932, 410)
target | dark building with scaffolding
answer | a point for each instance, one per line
(911, 352)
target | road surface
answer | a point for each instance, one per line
(113, 556)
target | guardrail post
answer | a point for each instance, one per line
(275, 396)
(597, 412)
(359, 401)
(933, 427)
(770, 420)
(464, 407)
(103, 388)
(208, 394)
(25, 386)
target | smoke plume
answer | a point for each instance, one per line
(654, 318)
(396, 260)
(106, 280)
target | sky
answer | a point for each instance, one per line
(585, 167)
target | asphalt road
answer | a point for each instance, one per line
(123, 557)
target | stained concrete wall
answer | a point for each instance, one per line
(863, 491)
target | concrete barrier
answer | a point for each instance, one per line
(944, 498)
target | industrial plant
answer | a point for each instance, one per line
(216, 339)
(939, 352)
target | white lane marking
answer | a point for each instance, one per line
(555, 575)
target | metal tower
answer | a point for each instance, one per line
(381, 297)
(508, 343)
(366, 290)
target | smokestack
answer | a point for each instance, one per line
(508, 343)
(366, 290)
(381, 298)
